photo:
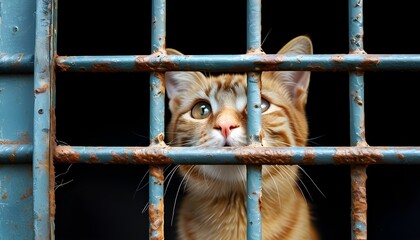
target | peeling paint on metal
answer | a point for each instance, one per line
(255, 156)
(27, 194)
(42, 89)
(153, 156)
(156, 221)
(119, 159)
(354, 155)
(67, 154)
(359, 202)
(309, 156)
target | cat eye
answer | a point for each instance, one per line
(264, 105)
(201, 110)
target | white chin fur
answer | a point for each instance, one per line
(225, 173)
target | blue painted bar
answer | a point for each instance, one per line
(42, 115)
(16, 63)
(238, 155)
(157, 123)
(357, 124)
(17, 30)
(254, 172)
(240, 63)
(15, 153)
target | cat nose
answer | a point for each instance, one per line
(226, 127)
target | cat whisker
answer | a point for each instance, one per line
(186, 176)
(140, 135)
(277, 188)
(303, 184)
(269, 31)
(313, 182)
(170, 175)
(280, 171)
(138, 188)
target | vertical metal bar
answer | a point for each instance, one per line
(357, 124)
(157, 121)
(42, 125)
(17, 30)
(254, 174)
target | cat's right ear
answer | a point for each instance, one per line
(178, 81)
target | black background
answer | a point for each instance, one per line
(101, 201)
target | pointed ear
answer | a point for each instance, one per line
(176, 81)
(297, 82)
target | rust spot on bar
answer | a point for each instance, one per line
(400, 156)
(156, 221)
(119, 159)
(93, 159)
(53, 145)
(27, 194)
(103, 67)
(159, 140)
(4, 195)
(66, 154)
(267, 62)
(258, 156)
(151, 156)
(338, 58)
(369, 62)
(359, 202)
(61, 66)
(157, 173)
(24, 139)
(309, 156)
(42, 89)
(12, 157)
(316, 68)
(157, 62)
(357, 156)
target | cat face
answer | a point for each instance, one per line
(210, 111)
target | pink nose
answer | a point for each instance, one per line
(226, 127)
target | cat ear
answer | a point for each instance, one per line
(178, 81)
(297, 82)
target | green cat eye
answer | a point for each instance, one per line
(201, 110)
(264, 105)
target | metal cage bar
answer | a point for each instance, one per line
(43, 63)
(240, 63)
(239, 155)
(157, 121)
(43, 112)
(254, 172)
(357, 124)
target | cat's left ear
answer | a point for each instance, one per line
(297, 82)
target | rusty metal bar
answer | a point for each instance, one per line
(16, 63)
(42, 152)
(157, 123)
(357, 124)
(239, 155)
(16, 153)
(240, 63)
(17, 34)
(254, 172)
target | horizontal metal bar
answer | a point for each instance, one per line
(239, 63)
(238, 155)
(13, 63)
(16, 153)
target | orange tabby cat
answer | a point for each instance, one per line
(211, 112)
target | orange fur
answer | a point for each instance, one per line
(211, 112)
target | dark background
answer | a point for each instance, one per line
(106, 202)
